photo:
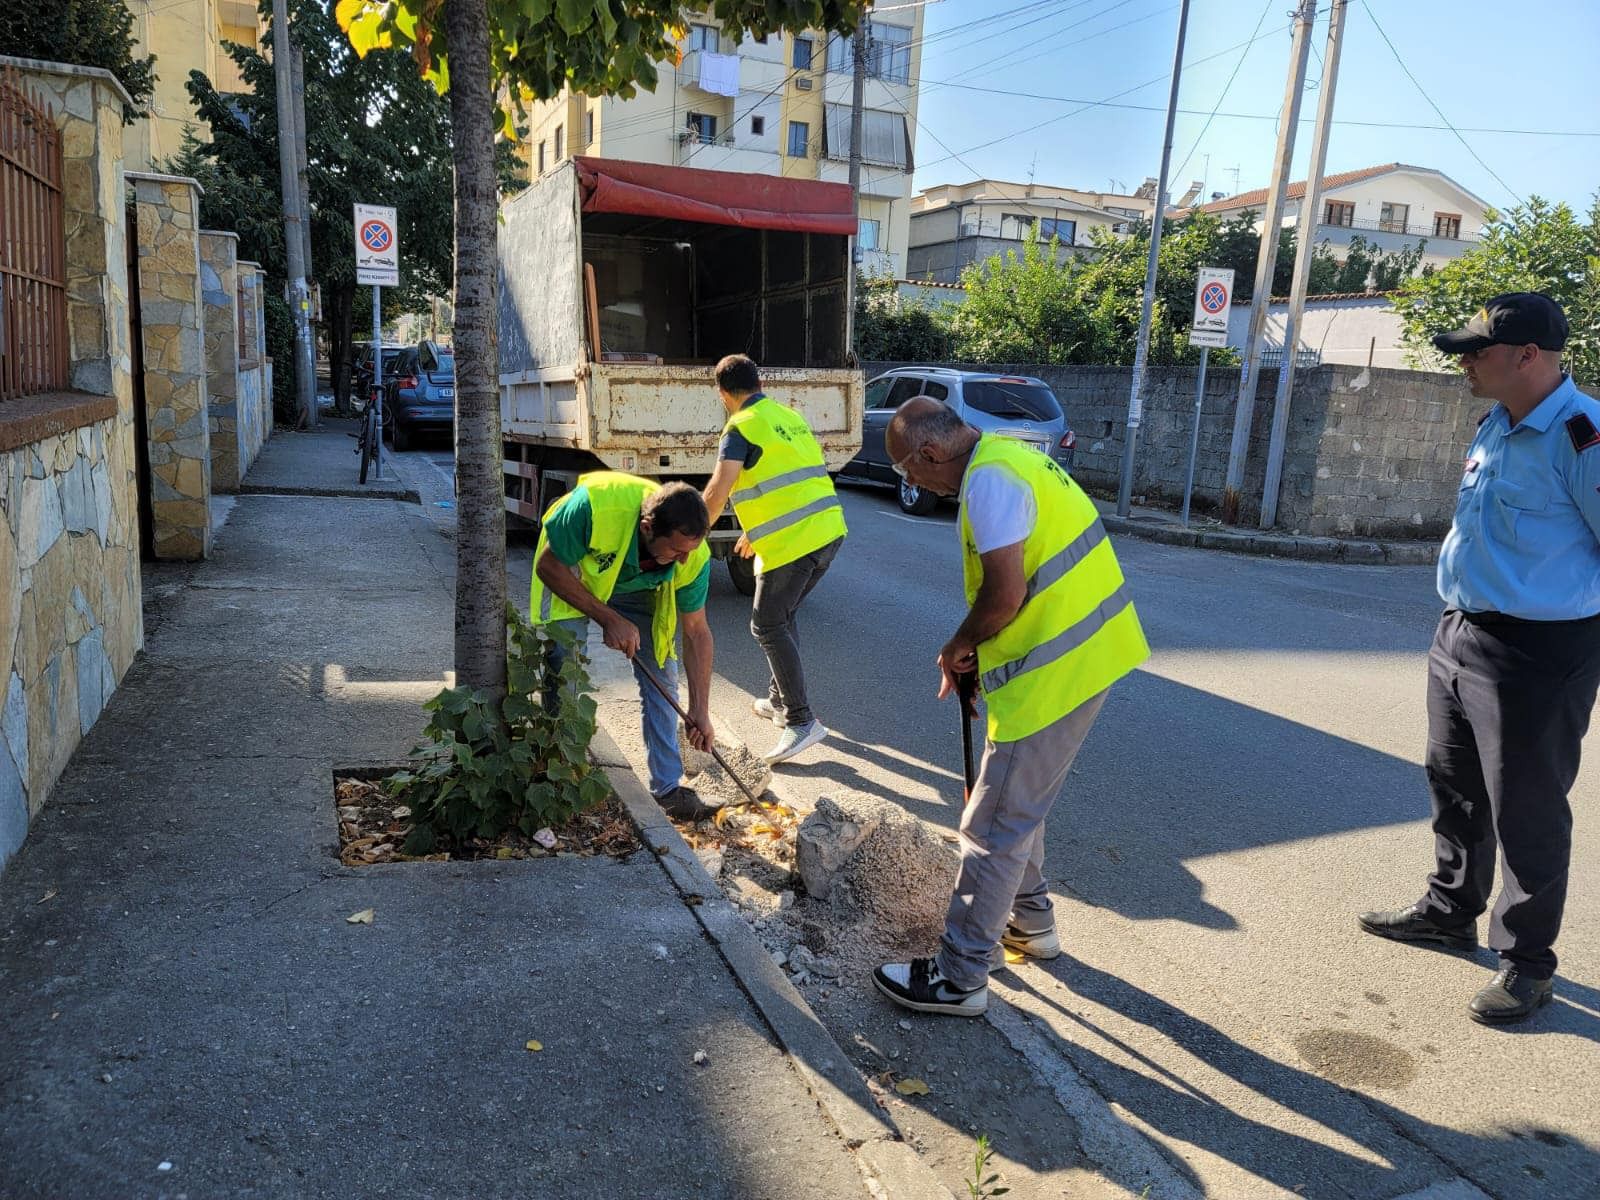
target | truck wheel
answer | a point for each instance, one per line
(743, 573)
(915, 500)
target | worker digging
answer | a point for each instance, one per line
(1050, 628)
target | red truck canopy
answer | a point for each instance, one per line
(715, 197)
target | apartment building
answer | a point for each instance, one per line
(778, 105)
(184, 35)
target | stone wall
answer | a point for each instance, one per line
(255, 417)
(70, 620)
(1367, 453)
(219, 287)
(172, 324)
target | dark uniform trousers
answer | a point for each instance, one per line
(1508, 705)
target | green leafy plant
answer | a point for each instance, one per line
(978, 1187)
(487, 768)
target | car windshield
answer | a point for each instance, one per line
(1009, 398)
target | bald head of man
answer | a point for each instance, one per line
(929, 445)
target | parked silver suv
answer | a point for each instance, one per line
(1017, 406)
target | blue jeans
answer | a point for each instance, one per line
(660, 722)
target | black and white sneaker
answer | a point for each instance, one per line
(919, 986)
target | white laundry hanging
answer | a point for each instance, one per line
(719, 73)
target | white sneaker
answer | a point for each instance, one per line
(796, 739)
(920, 986)
(768, 711)
(1017, 945)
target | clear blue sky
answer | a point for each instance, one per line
(1485, 63)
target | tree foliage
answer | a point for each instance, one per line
(1535, 247)
(889, 329)
(90, 33)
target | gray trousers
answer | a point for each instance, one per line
(775, 624)
(1002, 843)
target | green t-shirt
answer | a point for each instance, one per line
(568, 530)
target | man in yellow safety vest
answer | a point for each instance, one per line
(630, 555)
(769, 463)
(1050, 628)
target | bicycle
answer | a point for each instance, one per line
(369, 437)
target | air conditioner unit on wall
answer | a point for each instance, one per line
(803, 82)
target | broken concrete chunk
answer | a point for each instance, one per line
(711, 859)
(830, 835)
(802, 961)
(702, 772)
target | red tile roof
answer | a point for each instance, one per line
(1258, 198)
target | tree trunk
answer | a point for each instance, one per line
(480, 506)
(341, 303)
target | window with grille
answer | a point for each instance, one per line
(799, 138)
(1447, 225)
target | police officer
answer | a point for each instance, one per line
(1515, 662)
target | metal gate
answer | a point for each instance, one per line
(33, 248)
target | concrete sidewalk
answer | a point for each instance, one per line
(187, 1012)
(323, 462)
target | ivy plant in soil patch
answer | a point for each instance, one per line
(488, 767)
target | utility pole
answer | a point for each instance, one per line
(305, 363)
(297, 67)
(858, 91)
(1304, 249)
(1267, 259)
(1141, 354)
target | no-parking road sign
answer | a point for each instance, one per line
(1213, 297)
(377, 246)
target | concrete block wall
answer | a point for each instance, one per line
(237, 428)
(70, 618)
(172, 324)
(1368, 453)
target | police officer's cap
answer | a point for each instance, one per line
(1514, 319)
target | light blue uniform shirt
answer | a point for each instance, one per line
(1526, 535)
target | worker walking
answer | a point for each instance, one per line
(1515, 663)
(630, 555)
(769, 463)
(1050, 628)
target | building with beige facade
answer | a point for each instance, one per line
(776, 106)
(184, 35)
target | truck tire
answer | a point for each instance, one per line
(743, 573)
(916, 501)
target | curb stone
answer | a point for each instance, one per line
(893, 1170)
(408, 495)
(1277, 545)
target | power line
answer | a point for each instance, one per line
(1106, 102)
(1012, 61)
(1244, 54)
(1509, 189)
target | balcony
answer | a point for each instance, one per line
(1396, 227)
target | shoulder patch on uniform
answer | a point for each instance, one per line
(1582, 432)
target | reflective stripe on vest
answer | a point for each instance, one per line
(785, 502)
(1076, 632)
(614, 503)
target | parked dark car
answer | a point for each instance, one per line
(421, 397)
(361, 369)
(1016, 406)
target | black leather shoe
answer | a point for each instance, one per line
(684, 804)
(1511, 996)
(1409, 925)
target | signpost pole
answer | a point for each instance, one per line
(377, 371)
(1194, 437)
(1213, 301)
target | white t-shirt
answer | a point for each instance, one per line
(999, 507)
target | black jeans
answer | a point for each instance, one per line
(1508, 704)
(774, 622)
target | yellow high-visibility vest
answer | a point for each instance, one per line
(785, 503)
(1077, 632)
(614, 503)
